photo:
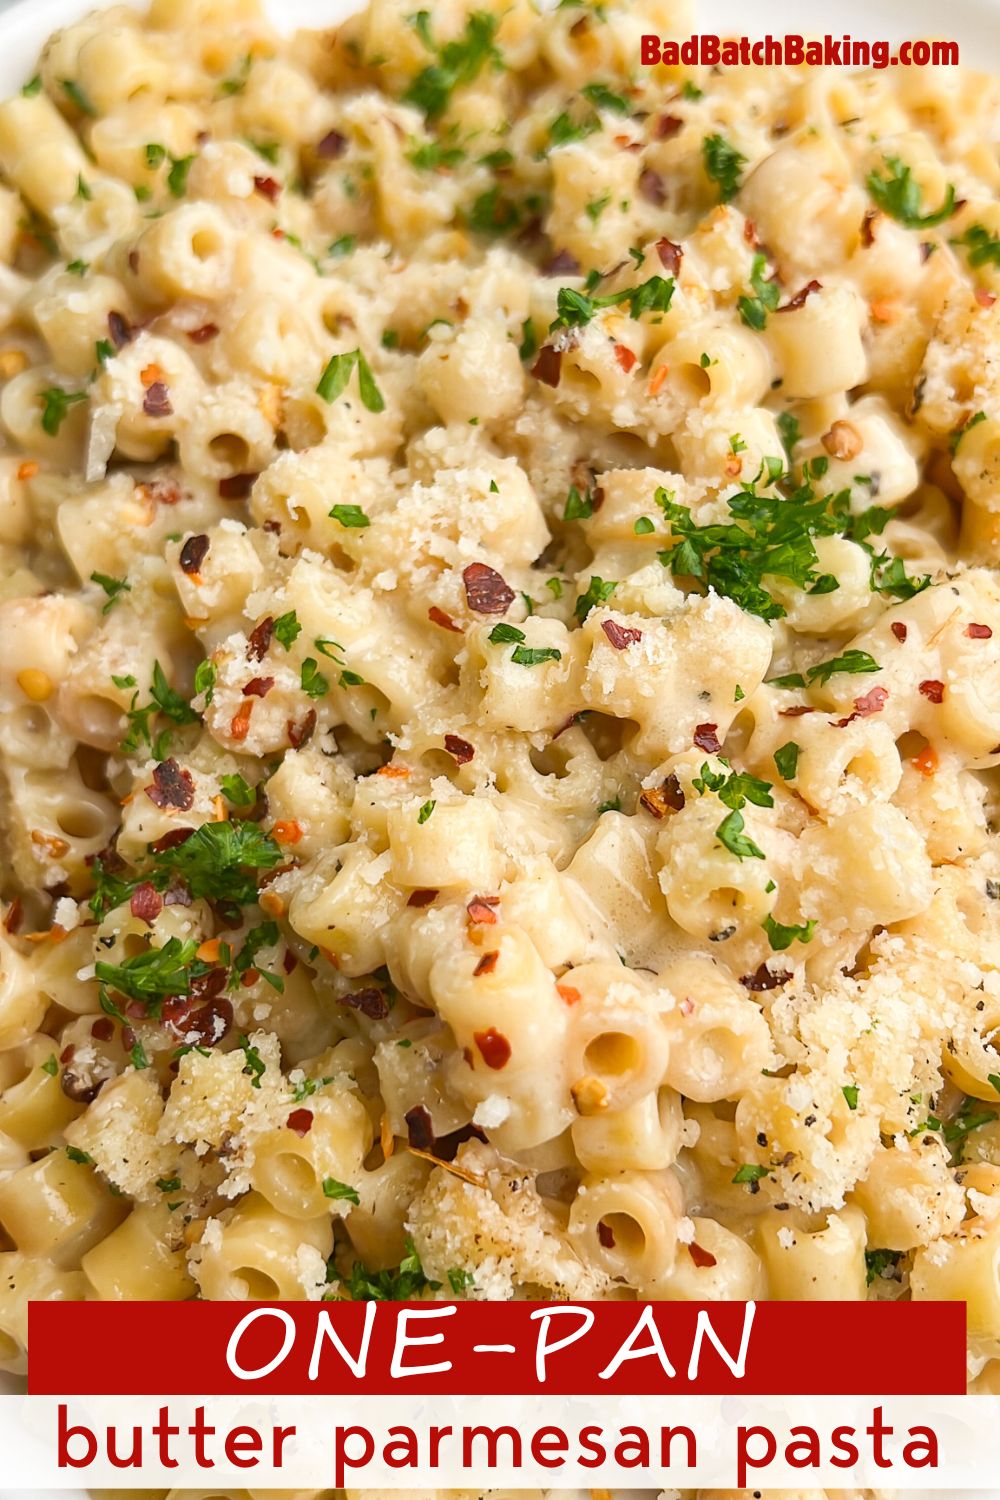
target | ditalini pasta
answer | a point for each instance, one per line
(501, 668)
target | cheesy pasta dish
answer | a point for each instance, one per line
(501, 668)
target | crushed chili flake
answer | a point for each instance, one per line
(494, 1047)
(260, 638)
(193, 553)
(421, 898)
(486, 591)
(481, 911)
(289, 963)
(926, 762)
(459, 749)
(236, 486)
(702, 1258)
(706, 738)
(620, 636)
(201, 1025)
(395, 771)
(267, 187)
(652, 187)
(626, 359)
(258, 687)
(103, 1029)
(301, 1121)
(670, 255)
(145, 902)
(763, 978)
(172, 786)
(156, 402)
(978, 632)
(204, 334)
(899, 630)
(868, 228)
(548, 365)
(872, 702)
(13, 916)
(331, 146)
(932, 690)
(796, 712)
(120, 329)
(667, 797)
(239, 724)
(28, 469)
(287, 831)
(983, 297)
(171, 839)
(563, 263)
(299, 733)
(371, 1002)
(568, 994)
(438, 617)
(486, 964)
(420, 1128)
(605, 1235)
(799, 300)
(667, 126)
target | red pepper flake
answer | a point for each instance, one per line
(239, 725)
(666, 127)
(260, 638)
(667, 797)
(258, 687)
(899, 630)
(652, 187)
(120, 329)
(460, 749)
(670, 255)
(763, 979)
(287, 831)
(799, 300)
(568, 994)
(978, 632)
(193, 553)
(103, 1029)
(926, 762)
(420, 1128)
(301, 1121)
(486, 964)
(289, 963)
(706, 738)
(204, 334)
(983, 297)
(486, 592)
(236, 486)
(548, 365)
(171, 840)
(620, 636)
(14, 916)
(481, 911)
(625, 357)
(868, 228)
(200, 1025)
(796, 712)
(932, 689)
(67, 1054)
(267, 187)
(686, 1006)
(563, 263)
(871, 703)
(421, 898)
(145, 902)
(494, 1047)
(299, 733)
(701, 1258)
(605, 1235)
(171, 786)
(249, 978)
(371, 1002)
(156, 402)
(331, 146)
(438, 617)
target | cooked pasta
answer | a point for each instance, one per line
(501, 676)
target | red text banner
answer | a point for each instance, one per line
(498, 1348)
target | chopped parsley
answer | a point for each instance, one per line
(340, 1190)
(457, 62)
(850, 1092)
(50, 1066)
(734, 789)
(217, 861)
(286, 629)
(152, 975)
(255, 1065)
(312, 681)
(238, 791)
(643, 526)
(575, 309)
(852, 661)
(177, 177)
(504, 634)
(983, 247)
(766, 293)
(957, 436)
(578, 507)
(786, 758)
(334, 378)
(789, 431)
(750, 1172)
(32, 87)
(205, 674)
(599, 591)
(112, 587)
(401, 1284)
(426, 811)
(55, 406)
(460, 1280)
(723, 164)
(533, 656)
(781, 937)
(434, 156)
(306, 1087)
(878, 1262)
(898, 195)
(74, 93)
(350, 516)
(81, 1158)
(730, 834)
(163, 700)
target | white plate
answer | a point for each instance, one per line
(974, 24)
